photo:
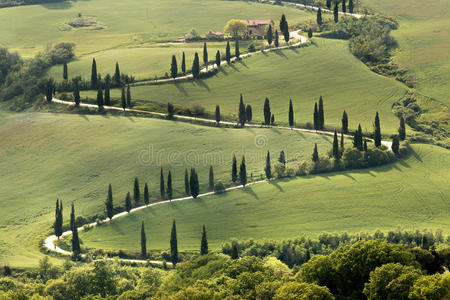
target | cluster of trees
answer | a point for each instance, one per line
(319, 115)
(24, 81)
(242, 171)
(331, 267)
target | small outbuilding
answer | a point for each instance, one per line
(258, 27)
(214, 35)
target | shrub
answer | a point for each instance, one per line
(219, 188)
(251, 48)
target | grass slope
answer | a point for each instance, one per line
(130, 23)
(74, 157)
(424, 42)
(410, 194)
(326, 68)
(142, 63)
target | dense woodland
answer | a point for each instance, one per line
(396, 265)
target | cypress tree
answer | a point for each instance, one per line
(291, 114)
(161, 185)
(143, 241)
(272, 120)
(377, 133)
(183, 64)
(58, 214)
(269, 35)
(344, 122)
(243, 172)
(107, 90)
(204, 243)
(315, 155)
(234, 169)
(186, 182)
(217, 114)
(336, 13)
(136, 190)
(65, 73)
(350, 6)
(316, 117)
(268, 168)
(196, 66)
(319, 17)
(395, 144)
(76, 93)
(234, 252)
(128, 96)
(336, 153)
(342, 141)
(237, 53)
(128, 202)
(109, 203)
(146, 194)
(248, 113)
(402, 129)
(344, 8)
(310, 33)
(170, 110)
(100, 98)
(328, 4)
(267, 113)
(174, 67)
(276, 41)
(282, 158)
(218, 59)
(228, 52)
(211, 178)
(321, 115)
(194, 184)
(73, 227)
(94, 74)
(205, 55)
(241, 112)
(174, 244)
(286, 32)
(117, 75)
(49, 89)
(169, 186)
(123, 99)
(365, 145)
(357, 139)
(283, 23)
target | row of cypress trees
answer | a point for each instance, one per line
(174, 243)
(196, 62)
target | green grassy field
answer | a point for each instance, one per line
(75, 157)
(129, 24)
(326, 68)
(410, 194)
(424, 42)
(143, 63)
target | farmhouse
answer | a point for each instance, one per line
(257, 27)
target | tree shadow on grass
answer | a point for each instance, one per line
(293, 49)
(274, 183)
(181, 88)
(249, 190)
(222, 69)
(241, 61)
(116, 228)
(233, 67)
(202, 83)
(346, 174)
(281, 54)
(416, 156)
